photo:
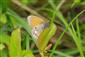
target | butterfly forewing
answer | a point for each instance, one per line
(37, 24)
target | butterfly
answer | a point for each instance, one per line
(41, 31)
(37, 24)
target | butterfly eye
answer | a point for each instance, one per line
(35, 27)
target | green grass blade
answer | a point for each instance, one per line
(78, 29)
(20, 21)
(27, 42)
(65, 23)
(76, 2)
(4, 4)
(62, 54)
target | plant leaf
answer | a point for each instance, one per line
(3, 18)
(3, 53)
(4, 38)
(15, 44)
(45, 37)
(27, 53)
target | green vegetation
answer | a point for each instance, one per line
(65, 36)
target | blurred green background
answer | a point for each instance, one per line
(67, 40)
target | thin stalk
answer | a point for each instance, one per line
(78, 43)
(78, 29)
(27, 43)
(61, 53)
(53, 18)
